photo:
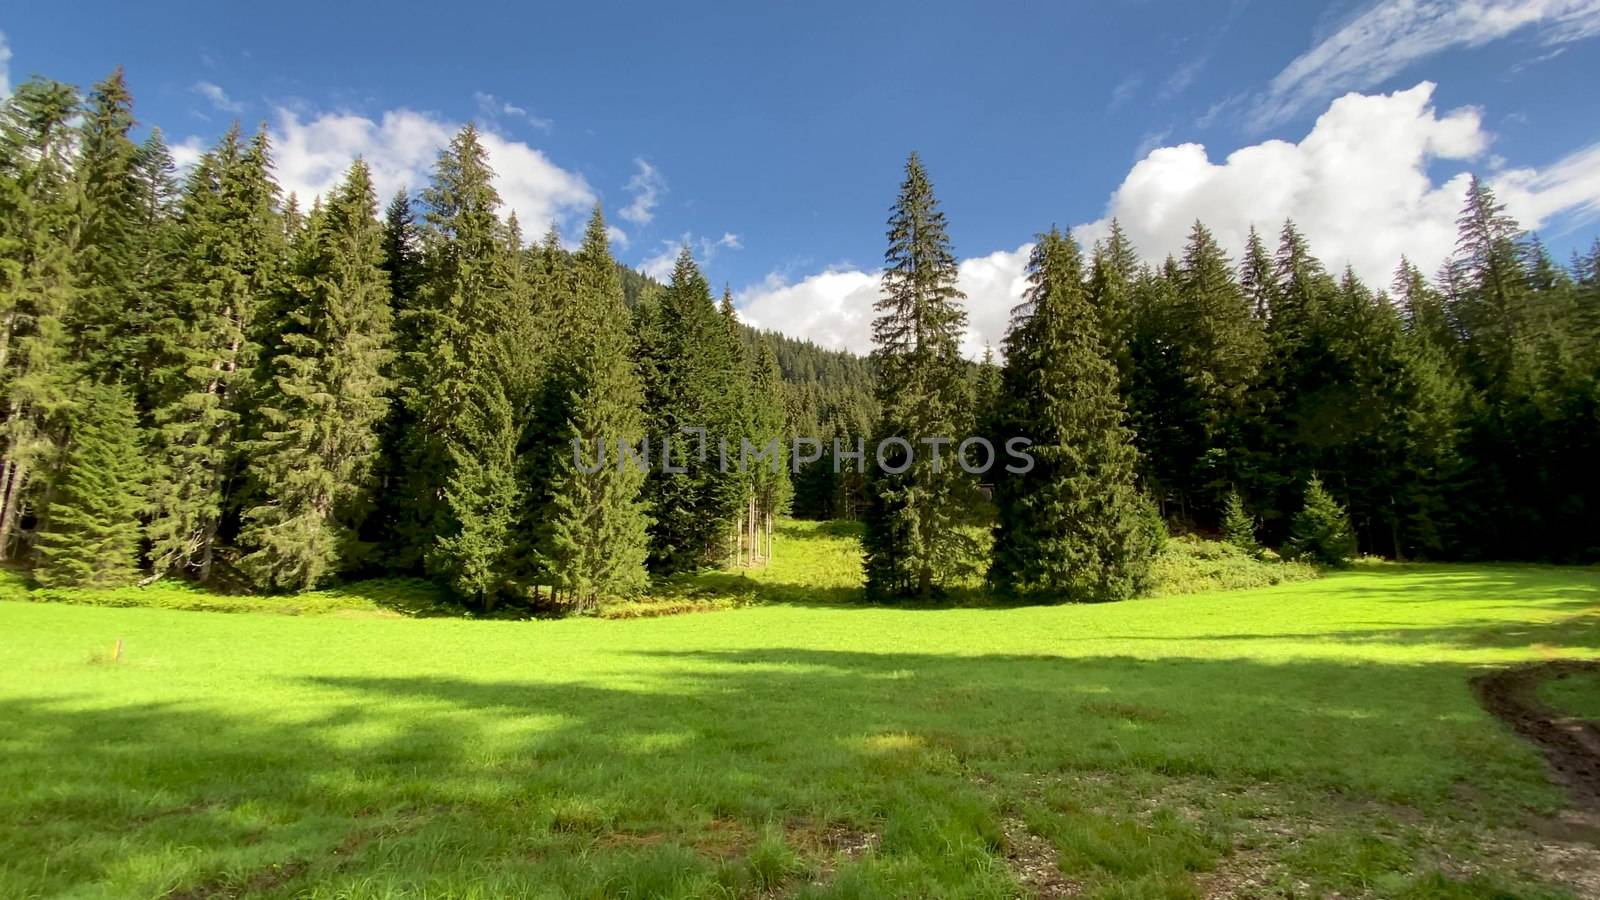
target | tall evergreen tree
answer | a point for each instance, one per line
(1074, 527)
(465, 491)
(94, 532)
(692, 377)
(107, 242)
(597, 543)
(911, 540)
(327, 401)
(233, 234)
(36, 291)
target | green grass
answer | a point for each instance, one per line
(1573, 694)
(1311, 738)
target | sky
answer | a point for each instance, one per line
(769, 137)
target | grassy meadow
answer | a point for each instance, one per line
(1309, 738)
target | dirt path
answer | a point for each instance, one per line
(1571, 745)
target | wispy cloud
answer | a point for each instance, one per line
(705, 250)
(217, 96)
(496, 108)
(1387, 36)
(647, 185)
(1124, 91)
(5, 67)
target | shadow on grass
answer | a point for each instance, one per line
(427, 784)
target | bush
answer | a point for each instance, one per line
(1191, 565)
(1321, 531)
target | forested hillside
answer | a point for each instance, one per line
(205, 379)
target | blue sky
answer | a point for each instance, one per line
(770, 135)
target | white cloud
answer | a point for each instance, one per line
(5, 67)
(647, 185)
(617, 236)
(217, 96)
(834, 308)
(401, 148)
(494, 108)
(1357, 185)
(186, 153)
(1387, 36)
(705, 250)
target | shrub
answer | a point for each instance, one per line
(1321, 531)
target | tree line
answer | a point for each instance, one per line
(202, 379)
(1456, 417)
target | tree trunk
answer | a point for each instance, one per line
(15, 478)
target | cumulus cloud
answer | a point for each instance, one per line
(647, 185)
(401, 147)
(1358, 185)
(5, 67)
(217, 97)
(835, 308)
(1379, 42)
(187, 152)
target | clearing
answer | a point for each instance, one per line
(1318, 738)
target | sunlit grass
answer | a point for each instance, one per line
(1319, 733)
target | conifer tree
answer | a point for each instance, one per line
(597, 543)
(328, 400)
(98, 497)
(1321, 531)
(107, 239)
(1219, 349)
(911, 541)
(692, 373)
(36, 290)
(233, 237)
(465, 491)
(1112, 275)
(1073, 527)
(1238, 526)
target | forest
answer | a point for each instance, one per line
(205, 379)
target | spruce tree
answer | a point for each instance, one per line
(691, 371)
(1321, 530)
(911, 541)
(233, 238)
(327, 402)
(465, 491)
(108, 243)
(1074, 527)
(597, 543)
(36, 291)
(1238, 526)
(98, 496)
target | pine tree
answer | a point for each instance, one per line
(597, 541)
(94, 531)
(1238, 526)
(1321, 531)
(36, 291)
(692, 372)
(911, 541)
(233, 237)
(1074, 527)
(465, 490)
(1112, 276)
(1218, 349)
(108, 243)
(327, 402)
